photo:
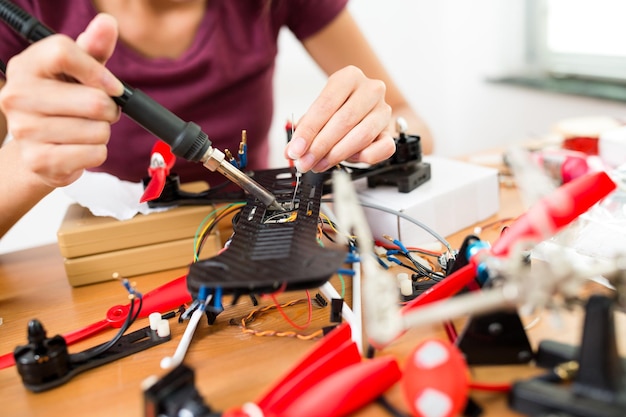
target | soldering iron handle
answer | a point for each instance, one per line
(26, 25)
(185, 138)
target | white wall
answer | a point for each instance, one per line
(439, 52)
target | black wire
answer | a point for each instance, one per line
(217, 219)
(93, 352)
(420, 270)
(329, 237)
(3, 67)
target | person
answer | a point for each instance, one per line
(208, 61)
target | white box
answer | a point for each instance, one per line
(458, 195)
(612, 147)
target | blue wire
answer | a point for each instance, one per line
(400, 245)
(384, 265)
(217, 298)
(243, 156)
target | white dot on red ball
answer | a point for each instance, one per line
(431, 355)
(433, 403)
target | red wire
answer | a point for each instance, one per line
(287, 319)
(490, 387)
(450, 331)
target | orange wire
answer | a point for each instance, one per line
(265, 333)
(287, 319)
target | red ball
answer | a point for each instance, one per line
(436, 380)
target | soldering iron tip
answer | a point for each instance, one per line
(276, 206)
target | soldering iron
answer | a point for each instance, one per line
(186, 139)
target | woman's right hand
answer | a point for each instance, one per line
(57, 102)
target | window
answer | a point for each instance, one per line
(578, 38)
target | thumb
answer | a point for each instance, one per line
(99, 37)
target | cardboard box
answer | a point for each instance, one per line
(457, 196)
(96, 247)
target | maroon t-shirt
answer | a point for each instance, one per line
(223, 82)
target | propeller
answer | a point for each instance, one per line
(166, 297)
(161, 162)
(331, 381)
(545, 218)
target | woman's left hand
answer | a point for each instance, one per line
(349, 121)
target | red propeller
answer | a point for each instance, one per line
(331, 381)
(166, 297)
(161, 162)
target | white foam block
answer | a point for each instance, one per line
(458, 195)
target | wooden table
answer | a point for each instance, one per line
(231, 367)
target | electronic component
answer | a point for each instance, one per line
(186, 139)
(45, 363)
(175, 395)
(587, 380)
(166, 297)
(405, 168)
(272, 249)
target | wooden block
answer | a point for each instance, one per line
(81, 233)
(137, 261)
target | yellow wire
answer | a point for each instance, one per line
(332, 226)
(209, 219)
(254, 314)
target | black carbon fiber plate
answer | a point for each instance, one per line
(270, 249)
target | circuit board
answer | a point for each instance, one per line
(272, 249)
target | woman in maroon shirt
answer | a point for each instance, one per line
(210, 62)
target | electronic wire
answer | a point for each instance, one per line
(418, 268)
(209, 222)
(130, 319)
(288, 320)
(405, 217)
(253, 315)
(412, 249)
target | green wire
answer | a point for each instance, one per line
(203, 222)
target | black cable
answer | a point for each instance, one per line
(88, 354)
(3, 67)
(202, 238)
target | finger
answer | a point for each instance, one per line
(350, 129)
(61, 130)
(78, 101)
(99, 37)
(58, 57)
(332, 97)
(380, 149)
(356, 140)
(60, 165)
(58, 99)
